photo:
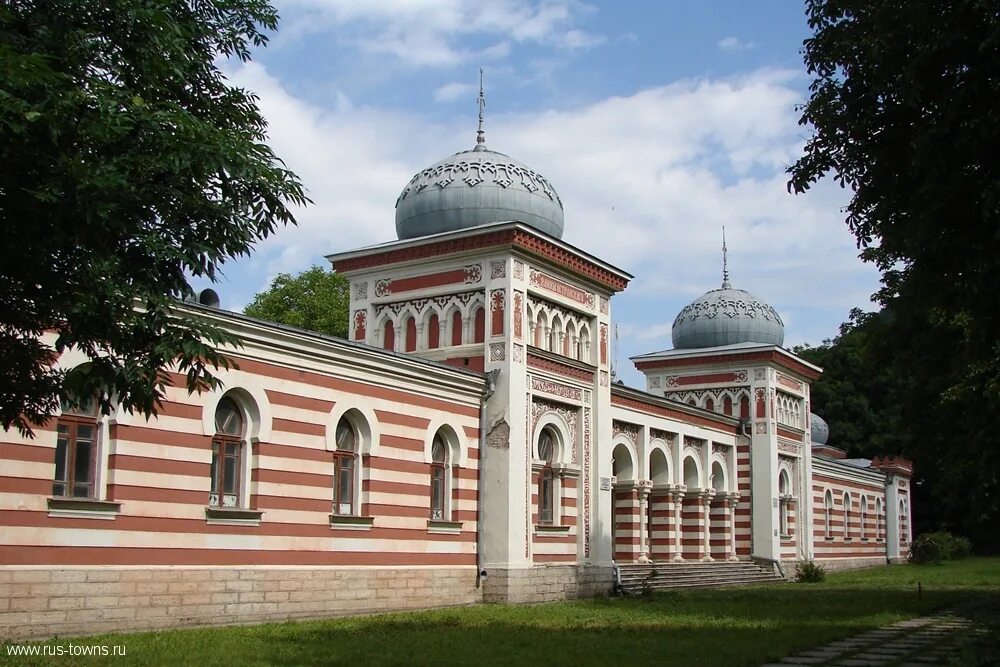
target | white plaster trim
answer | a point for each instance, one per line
(457, 444)
(368, 427)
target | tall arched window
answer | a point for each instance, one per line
(727, 405)
(546, 485)
(479, 325)
(439, 478)
(344, 467)
(847, 516)
(76, 451)
(864, 517)
(878, 519)
(433, 332)
(389, 336)
(784, 490)
(828, 519)
(227, 455)
(456, 328)
(411, 335)
(745, 407)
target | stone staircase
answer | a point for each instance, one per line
(665, 575)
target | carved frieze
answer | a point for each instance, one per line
(629, 431)
(556, 389)
(540, 407)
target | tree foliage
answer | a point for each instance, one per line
(316, 299)
(903, 113)
(128, 165)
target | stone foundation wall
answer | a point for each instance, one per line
(835, 564)
(42, 602)
(546, 583)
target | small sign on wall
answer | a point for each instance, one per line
(605, 484)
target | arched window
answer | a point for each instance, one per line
(433, 332)
(411, 334)
(784, 491)
(344, 468)
(456, 328)
(864, 517)
(389, 336)
(479, 325)
(227, 455)
(710, 404)
(727, 405)
(847, 516)
(541, 331)
(745, 407)
(546, 485)
(878, 519)
(828, 519)
(583, 354)
(439, 478)
(76, 451)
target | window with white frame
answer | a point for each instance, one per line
(228, 455)
(77, 454)
(547, 503)
(440, 478)
(345, 468)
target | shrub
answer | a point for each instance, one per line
(939, 546)
(808, 572)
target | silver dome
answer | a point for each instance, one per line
(819, 429)
(727, 316)
(476, 187)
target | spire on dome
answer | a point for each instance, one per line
(481, 103)
(725, 267)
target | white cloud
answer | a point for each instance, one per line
(434, 33)
(735, 44)
(647, 181)
(451, 92)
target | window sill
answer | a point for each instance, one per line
(828, 538)
(441, 527)
(83, 508)
(350, 522)
(232, 516)
(551, 528)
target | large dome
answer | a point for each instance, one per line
(474, 188)
(727, 316)
(819, 430)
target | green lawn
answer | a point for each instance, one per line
(744, 626)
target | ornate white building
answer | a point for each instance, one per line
(466, 444)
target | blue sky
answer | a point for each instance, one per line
(657, 122)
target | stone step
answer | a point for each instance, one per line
(659, 576)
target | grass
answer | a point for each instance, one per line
(745, 626)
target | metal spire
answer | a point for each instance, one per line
(481, 103)
(725, 268)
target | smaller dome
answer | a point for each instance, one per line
(727, 316)
(819, 430)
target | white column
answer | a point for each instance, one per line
(706, 502)
(645, 486)
(678, 527)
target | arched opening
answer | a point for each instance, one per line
(828, 519)
(847, 516)
(569, 341)
(388, 335)
(745, 407)
(411, 334)
(710, 404)
(439, 477)
(583, 352)
(433, 332)
(541, 331)
(76, 450)
(718, 477)
(864, 518)
(621, 463)
(345, 467)
(547, 452)
(784, 491)
(479, 325)
(227, 454)
(659, 469)
(878, 519)
(727, 405)
(456, 328)
(691, 476)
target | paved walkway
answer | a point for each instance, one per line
(918, 642)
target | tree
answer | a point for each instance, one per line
(316, 299)
(903, 113)
(128, 166)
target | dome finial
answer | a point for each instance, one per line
(725, 267)
(481, 103)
